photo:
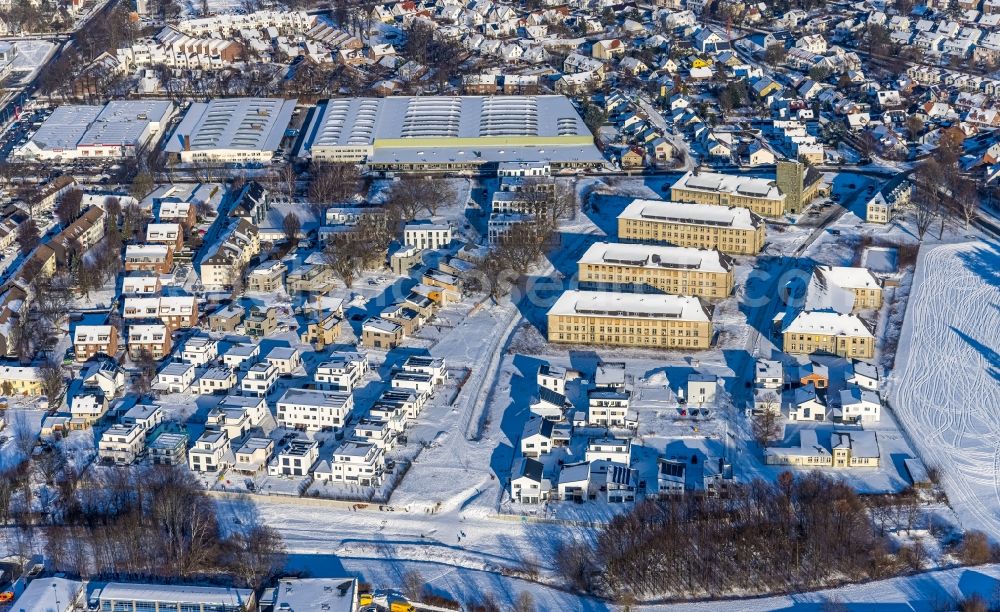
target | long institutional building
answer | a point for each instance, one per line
(630, 319)
(732, 230)
(643, 268)
(450, 133)
(795, 186)
(120, 128)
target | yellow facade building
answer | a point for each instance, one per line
(833, 333)
(845, 449)
(704, 273)
(736, 231)
(760, 195)
(638, 320)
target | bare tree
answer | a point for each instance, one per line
(765, 427)
(54, 382)
(341, 254)
(525, 602)
(289, 178)
(28, 236)
(68, 208)
(256, 555)
(965, 199)
(413, 584)
(291, 227)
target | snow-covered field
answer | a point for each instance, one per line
(926, 592)
(946, 385)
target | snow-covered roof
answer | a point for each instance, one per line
(603, 304)
(692, 214)
(657, 256)
(828, 324)
(735, 184)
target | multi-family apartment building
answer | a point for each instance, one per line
(844, 449)
(175, 311)
(121, 444)
(158, 258)
(268, 277)
(234, 250)
(89, 340)
(259, 379)
(212, 452)
(153, 339)
(736, 231)
(170, 234)
(218, 379)
(645, 268)
(427, 235)
(168, 448)
(647, 320)
(296, 459)
(313, 409)
(358, 463)
(236, 415)
(342, 372)
(834, 333)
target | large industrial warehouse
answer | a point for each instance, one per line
(459, 133)
(118, 129)
(231, 130)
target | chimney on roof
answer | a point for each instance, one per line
(187, 142)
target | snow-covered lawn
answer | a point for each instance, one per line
(946, 386)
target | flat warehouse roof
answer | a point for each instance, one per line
(251, 124)
(122, 591)
(65, 126)
(438, 129)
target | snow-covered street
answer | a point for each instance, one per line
(945, 389)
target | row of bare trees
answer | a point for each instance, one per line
(942, 192)
(153, 522)
(800, 532)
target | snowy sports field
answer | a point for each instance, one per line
(945, 388)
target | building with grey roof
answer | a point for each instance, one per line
(121, 128)
(450, 133)
(231, 130)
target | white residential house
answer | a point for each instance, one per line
(259, 379)
(550, 405)
(106, 376)
(536, 437)
(175, 377)
(618, 450)
(864, 375)
(285, 359)
(434, 367)
(219, 379)
(552, 377)
(296, 459)
(200, 350)
(355, 463)
(314, 410)
(574, 481)
(417, 381)
(237, 415)
(806, 405)
(427, 235)
(146, 416)
(121, 444)
(342, 372)
(608, 408)
(211, 452)
(860, 405)
(527, 483)
(769, 374)
(241, 356)
(379, 432)
(701, 389)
